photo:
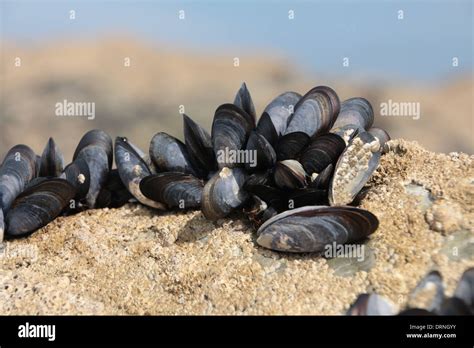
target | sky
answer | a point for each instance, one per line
(420, 46)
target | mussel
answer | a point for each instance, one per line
(170, 155)
(231, 128)
(52, 160)
(78, 174)
(356, 116)
(132, 169)
(265, 156)
(274, 119)
(312, 228)
(371, 304)
(223, 193)
(18, 168)
(199, 145)
(315, 112)
(95, 148)
(290, 174)
(40, 203)
(321, 152)
(176, 190)
(243, 100)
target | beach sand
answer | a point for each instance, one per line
(134, 260)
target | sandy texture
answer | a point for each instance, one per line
(134, 260)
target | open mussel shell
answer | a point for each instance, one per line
(132, 169)
(77, 173)
(223, 193)
(243, 100)
(261, 153)
(176, 190)
(17, 170)
(230, 130)
(289, 174)
(371, 304)
(312, 228)
(52, 160)
(321, 152)
(259, 211)
(354, 168)
(40, 203)
(199, 145)
(315, 112)
(170, 155)
(356, 115)
(95, 148)
(274, 118)
(290, 145)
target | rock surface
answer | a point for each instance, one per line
(134, 260)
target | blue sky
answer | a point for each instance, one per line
(419, 47)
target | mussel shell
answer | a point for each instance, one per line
(289, 174)
(321, 152)
(312, 228)
(382, 136)
(429, 290)
(230, 130)
(243, 100)
(170, 155)
(315, 112)
(176, 190)
(465, 288)
(265, 154)
(223, 193)
(2, 225)
(322, 180)
(266, 128)
(96, 137)
(199, 145)
(77, 173)
(290, 145)
(278, 111)
(356, 115)
(454, 306)
(371, 304)
(52, 160)
(259, 212)
(97, 161)
(132, 169)
(16, 171)
(354, 168)
(40, 203)
(95, 148)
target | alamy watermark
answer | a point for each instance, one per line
(237, 157)
(405, 109)
(351, 251)
(21, 251)
(72, 109)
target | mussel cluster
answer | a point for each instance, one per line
(294, 173)
(427, 298)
